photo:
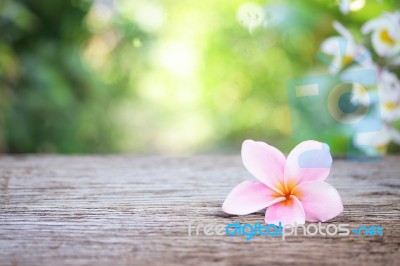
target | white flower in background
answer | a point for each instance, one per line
(389, 96)
(376, 143)
(345, 50)
(251, 16)
(361, 95)
(344, 6)
(385, 33)
(351, 5)
(347, 53)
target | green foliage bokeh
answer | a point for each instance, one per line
(96, 76)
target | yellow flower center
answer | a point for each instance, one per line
(390, 106)
(347, 60)
(386, 38)
(288, 191)
(381, 148)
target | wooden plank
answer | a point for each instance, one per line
(78, 210)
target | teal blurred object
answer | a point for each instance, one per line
(322, 108)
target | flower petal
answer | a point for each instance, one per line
(373, 143)
(320, 200)
(374, 24)
(342, 30)
(288, 211)
(331, 45)
(249, 197)
(344, 6)
(265, 162)
(380, 47)
(394, 135)
(309, 161)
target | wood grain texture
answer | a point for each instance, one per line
(127, 210)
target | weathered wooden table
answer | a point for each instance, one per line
(115, 210)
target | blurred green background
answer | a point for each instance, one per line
(148, 76)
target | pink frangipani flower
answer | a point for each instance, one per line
(292, 188)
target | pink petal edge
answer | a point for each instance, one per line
(264, 162)
(249, 197)
(321, 201)
(308, 161)
(286, 212)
